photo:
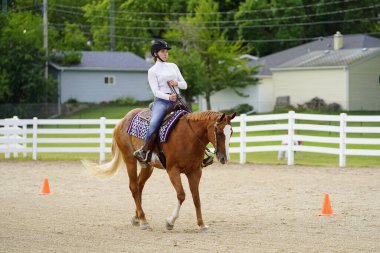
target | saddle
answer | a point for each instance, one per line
(140, 124)
(146, 115)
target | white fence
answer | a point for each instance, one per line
(30, 135)
(35, 135)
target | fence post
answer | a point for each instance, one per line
(290, 138)
(15, 136)
(342, 140)
(243, 135)
(7, 137)
(102, 138)
(24, 138)
(34, 144)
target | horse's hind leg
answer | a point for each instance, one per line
(175, 178)
(136, 193)
(144, 175)
(194, 179)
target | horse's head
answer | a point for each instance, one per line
(223, 132)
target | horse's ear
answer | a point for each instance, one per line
(232, 115)
(221, 117)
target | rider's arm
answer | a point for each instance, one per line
(181, 81)
(153, 83)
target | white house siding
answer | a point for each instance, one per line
(88, 86)
(259, 96)
(364, 91)
(302, 85)
(266, 95)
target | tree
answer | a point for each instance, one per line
(136, 22)
(23, 60)
(289, 23)
(217, 61)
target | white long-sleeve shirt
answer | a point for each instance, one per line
(159, 75)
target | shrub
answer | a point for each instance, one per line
(71, 101)
(334, 107)
(125, 101)
(240, 109)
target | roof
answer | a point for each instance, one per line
(355, 41)
(97, 60)
(329, 58)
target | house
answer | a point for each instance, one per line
(339, 69)
(103, 76)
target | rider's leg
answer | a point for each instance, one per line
(159, 110)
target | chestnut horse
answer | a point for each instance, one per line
(184, 151)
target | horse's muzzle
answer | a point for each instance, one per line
(222, 158)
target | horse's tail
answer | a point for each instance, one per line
(106, 169)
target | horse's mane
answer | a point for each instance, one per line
(207, 115)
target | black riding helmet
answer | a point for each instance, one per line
(158, 45)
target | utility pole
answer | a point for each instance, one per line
(112, 25)
(45, 18)
(4, 5)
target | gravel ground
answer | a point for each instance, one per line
(248, 208)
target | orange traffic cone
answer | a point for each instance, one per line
(326, 207)
(45, 188)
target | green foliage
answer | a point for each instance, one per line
(240, 109)
(283, 20)
(67, 58)
(73, 39)
(23, 61)
(217, 61)
(135, 26)
(71, 101)
(125, 101)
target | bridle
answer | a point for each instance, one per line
(188, 109)
(200, 141)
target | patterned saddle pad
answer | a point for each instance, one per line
(139, 125)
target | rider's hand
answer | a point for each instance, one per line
(173, 83)
(173, 97)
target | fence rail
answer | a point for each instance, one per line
(95, 135)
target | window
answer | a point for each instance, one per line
(109, 80)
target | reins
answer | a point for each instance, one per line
(179, 99)
(199, 140)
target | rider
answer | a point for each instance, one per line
(160, 76)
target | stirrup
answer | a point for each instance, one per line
(141, 155)
(207, 161)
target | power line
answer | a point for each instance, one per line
(179, 26)
(223, 21)
(226, 12)
(148, 39)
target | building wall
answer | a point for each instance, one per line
(266, 95)
(364, 91)
(259, 96)
(302, 85)
(89, 86)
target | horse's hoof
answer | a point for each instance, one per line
(144, 226)
(204, 229)
(169, 226)
(135, 221)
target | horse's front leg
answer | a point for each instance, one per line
(194, 179)
(175, 178)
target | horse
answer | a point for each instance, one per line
(184, 151)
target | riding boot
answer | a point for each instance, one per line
(142, 154)
(207, 161)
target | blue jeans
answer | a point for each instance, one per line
(159, 110)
